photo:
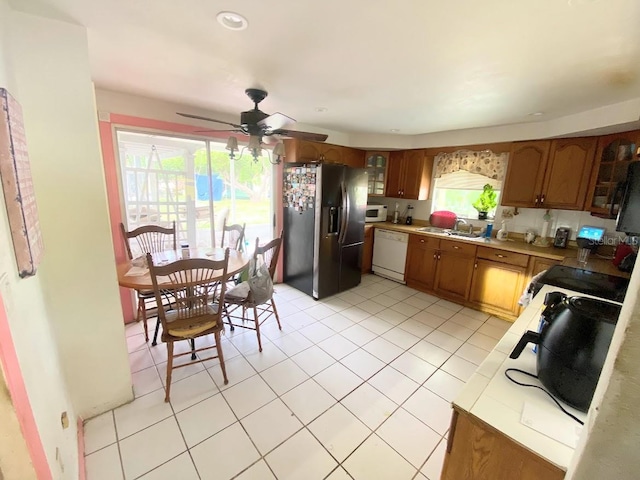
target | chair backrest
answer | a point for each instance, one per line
(150, 238)
(193, 283)
(234, 235)
(269, 253)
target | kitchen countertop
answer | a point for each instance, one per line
(565, 255)
(492, 398)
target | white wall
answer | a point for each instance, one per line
(30, 323)
(51, 67)
(609, 445)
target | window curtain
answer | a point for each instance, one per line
(485, 163)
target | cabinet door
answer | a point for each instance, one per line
(478, 451)
(353, 157)
(525, 174)
(330, 153)
(376, 164)
(453, 275)
(422, 258)
(497, 286)
(539, 264)
(367, 249)
(613, 155)
(308, 151)
(567, 174)
(414, 185)
(395, 171)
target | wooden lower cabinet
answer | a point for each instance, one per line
(477, 451)
(367, 249)
(422, 260)
(539, 264)
(455, 270)
(497, 286)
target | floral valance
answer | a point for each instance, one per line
(485, 163)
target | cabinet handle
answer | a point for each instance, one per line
(456, 247)
(475, 265)
(422, 240)
(435, 256)
(438, 256)
(500, 256)
(537, 200)
(542, 199)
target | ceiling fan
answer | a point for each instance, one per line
(257, 123)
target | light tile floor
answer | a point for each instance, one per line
(356, 386)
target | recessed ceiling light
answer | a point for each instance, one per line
(536, 114)
(321, 109)
(232, 20)
(394, 130)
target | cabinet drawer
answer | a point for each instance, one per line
(464, 249)
(493, 254)
(424, 240)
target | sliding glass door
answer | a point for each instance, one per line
(194, 183)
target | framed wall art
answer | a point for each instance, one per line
(17, 185)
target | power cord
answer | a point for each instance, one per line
(506, 373)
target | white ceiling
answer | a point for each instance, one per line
(418, 66)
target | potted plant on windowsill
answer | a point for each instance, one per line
(486, 202)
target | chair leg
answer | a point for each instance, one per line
(155, 334)
(257, 320)
(193, 348)
(226, 312)
(221, 358)
(142, 315)
(275, 311)
(169, 369)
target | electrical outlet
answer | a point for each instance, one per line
(507, 213)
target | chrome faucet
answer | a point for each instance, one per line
(456, 226)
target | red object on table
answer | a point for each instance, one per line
(443, 219)
(622, 251)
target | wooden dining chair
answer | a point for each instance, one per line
(148, 239)
(240, 298)
(193, 315)
(234, 235)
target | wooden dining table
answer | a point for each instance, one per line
(237, 262)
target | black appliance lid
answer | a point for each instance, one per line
(594, 308)
(597, 284)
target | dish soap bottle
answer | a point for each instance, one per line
(502, 233)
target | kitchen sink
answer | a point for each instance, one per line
(464, 234)
(431, 230)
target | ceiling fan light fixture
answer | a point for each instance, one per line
(232, 146)
(232, 20)
(278, 152)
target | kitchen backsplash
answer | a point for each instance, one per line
(527, 217)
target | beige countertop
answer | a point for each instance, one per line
(565, 255)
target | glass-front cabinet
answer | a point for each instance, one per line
(615, 153)
(376, 165)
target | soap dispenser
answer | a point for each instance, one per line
(502, 233)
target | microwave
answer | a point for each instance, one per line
(375, 213)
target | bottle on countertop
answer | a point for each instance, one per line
(396, 214)
(409, 219)
(185, 250)
(503, 233)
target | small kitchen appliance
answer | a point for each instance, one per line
(572, 345)
(610, 287)
(561, 240)
(409, 219)
(375, 213)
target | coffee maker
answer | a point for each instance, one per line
(409, 219)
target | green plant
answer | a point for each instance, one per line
(487, 200)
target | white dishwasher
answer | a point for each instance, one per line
(390, 254)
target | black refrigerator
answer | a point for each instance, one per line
(628, 220)
(324, 207)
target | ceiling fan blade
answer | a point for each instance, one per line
(211, 131)
(313, 137)
(275, 121)
(198, 117)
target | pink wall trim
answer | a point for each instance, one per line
(115, 215)
(113, 195)
(82, 472)
(20, 399)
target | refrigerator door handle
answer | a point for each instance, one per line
(344, 214)
(620, 188)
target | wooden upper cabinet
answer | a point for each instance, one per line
(549, 174)
(353, 157)
(567, 175)
(377, 164)
(613, 155)
(330, 153)
(525, 174)
(409, 174)
(306, 151)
